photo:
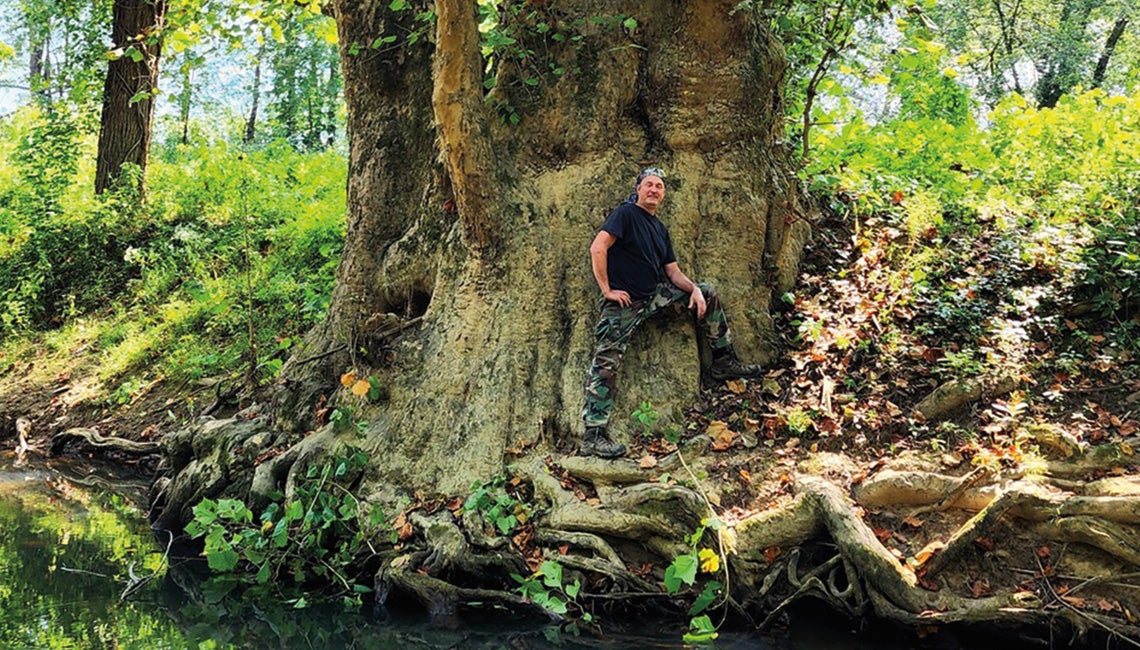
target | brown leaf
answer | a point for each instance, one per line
(913, 522)
(1043, 552)
(771, 553)
(647, 462)
(721, 435)
(736, 385)
(928, 584)
(1075, 601)
(1105, 605)
(928, 551)
(985, 543)
(882, 533)
(981, 589)
(564, 549)
(746, 475)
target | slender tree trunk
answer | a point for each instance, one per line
(128, 99)
(39, 77)
(1106, 54)
(185, 98)
(1061, 68)
(255, 90)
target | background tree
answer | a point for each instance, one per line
(1043, 48)
(130, 89)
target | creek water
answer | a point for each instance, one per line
(80, 568)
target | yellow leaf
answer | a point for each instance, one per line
(879, 80)
(361, 387)
(710, 561)
(950, 73)
(348, 379)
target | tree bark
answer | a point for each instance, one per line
(489, 250)
(128, 99)
(1109, 47)
(251, 123)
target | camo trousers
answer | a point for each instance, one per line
(616, 325)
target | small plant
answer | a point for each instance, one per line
(317, 538)
(546, 589)
(644, 417)
(500, 509)
(798, 421)
(683, 571)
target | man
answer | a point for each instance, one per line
(633, 262)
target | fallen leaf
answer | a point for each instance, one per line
(1106, 605)
(928, 584)
(1043, 552)
(985, 543)
(361, 387)
(771, 553)
(913, 522)
(882, 533)
(348, 379)
(746, 475)
(981, 589)
(1075, 601)
(736, 385)
(564, 549)
(928, 551)
(647, 462)
(721, 435)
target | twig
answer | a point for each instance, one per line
(327, 353)
(1108, 628)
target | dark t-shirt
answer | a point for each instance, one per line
(636, 261)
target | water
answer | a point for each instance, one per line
(72, 545)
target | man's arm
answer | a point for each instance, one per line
(599, 260)
(682, 282)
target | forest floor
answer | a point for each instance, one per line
(884, 374)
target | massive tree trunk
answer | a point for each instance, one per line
(128, 98)
(489, 250)
(465, 284)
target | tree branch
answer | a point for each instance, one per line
(461, 120)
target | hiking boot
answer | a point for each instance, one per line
(596, 442)
(729, 367)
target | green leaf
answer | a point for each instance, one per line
(222, 560)
(398, 5)
(682, 570)
(701, 630)
(551, 574)
(573, 589)
(708, 595)
(263, 573)
(630, 23)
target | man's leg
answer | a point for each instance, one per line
(611, 336)
(718, 337)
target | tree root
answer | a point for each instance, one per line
(93, 439)
(443, 599)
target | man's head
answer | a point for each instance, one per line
(650, 189)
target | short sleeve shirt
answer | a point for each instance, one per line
(636, 262)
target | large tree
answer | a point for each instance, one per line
(465, 284)
(465, 294)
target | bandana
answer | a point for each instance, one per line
(645, 173)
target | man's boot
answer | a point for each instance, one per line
(596, 442)
(727, 366)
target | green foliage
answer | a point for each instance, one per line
(645, 416)
(500, 508)
(313, 542)
(547, 589)
(683, 572)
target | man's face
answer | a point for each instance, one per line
(650, 193)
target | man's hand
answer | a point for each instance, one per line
(697, 299)
(622, 298)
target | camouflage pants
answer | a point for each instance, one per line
(616, 325)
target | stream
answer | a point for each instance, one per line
(81, 568)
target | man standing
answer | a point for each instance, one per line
(633, 262)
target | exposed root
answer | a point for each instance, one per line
(593, 543)
(1121, 542)
(94, 440)
(444, 599)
